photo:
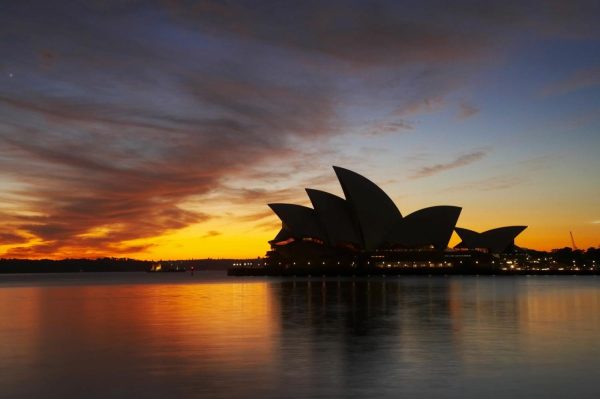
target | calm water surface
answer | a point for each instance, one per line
(174, 336)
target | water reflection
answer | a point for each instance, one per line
(158, 340)
(433, 337)
(448, 337)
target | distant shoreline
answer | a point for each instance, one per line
(12, 266)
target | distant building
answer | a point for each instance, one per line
(366, 226)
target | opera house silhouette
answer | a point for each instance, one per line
(367, 228)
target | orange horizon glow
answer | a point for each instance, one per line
(235, 238)
(242, 231)
(242, 242)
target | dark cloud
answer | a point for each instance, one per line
(459, 161)
(9, 237)
(367, 33)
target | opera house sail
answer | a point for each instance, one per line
(374, 212)
(366, 228)
(496, 240)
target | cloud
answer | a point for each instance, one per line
(461, 160)
(367, 33)
(132, 184)
(489, 184)
(253, 217)
(523, 172)
(47, 58)
(579, 80)
(49, 250)
(269, 225)
(9, 237)
(129, 148)
(595, 222)
(212, 233)
(397, 126)
(420, 106)
(467, 110)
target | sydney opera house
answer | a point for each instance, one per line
(366, 229)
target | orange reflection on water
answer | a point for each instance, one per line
(237, 319)
(553, 314)
(235, 323)
(19, 324)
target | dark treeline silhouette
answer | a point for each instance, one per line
(567, 255)
(72, 265)
(105, 265)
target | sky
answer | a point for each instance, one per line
(161, 129)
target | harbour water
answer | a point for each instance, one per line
(138, 335)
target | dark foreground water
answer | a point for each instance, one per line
(175, 336)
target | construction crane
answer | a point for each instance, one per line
(573, 242)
